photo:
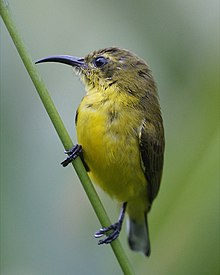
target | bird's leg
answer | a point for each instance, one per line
(113, 230)
(73, 153)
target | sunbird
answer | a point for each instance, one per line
(121, 136)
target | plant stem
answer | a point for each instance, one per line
(62, 133)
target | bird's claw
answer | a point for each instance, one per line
(73, 153)
(115, 228)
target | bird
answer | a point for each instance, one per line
(120, 136)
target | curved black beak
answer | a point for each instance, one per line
(65, 59)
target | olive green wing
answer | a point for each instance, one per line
(151, 141)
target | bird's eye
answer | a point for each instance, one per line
(100, 61)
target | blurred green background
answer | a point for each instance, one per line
(47, 223)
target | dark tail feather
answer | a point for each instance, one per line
(138, 236)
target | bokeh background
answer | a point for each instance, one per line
(47, 223)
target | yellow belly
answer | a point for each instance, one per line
(111, 151)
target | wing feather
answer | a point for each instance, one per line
(151, 140)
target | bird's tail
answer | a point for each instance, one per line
(138, 236)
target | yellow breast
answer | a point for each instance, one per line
(108, 133)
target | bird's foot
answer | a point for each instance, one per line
(73, 153)
(112, 232)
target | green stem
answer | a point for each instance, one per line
(62, 133)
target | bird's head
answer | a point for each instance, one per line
(110, 66)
